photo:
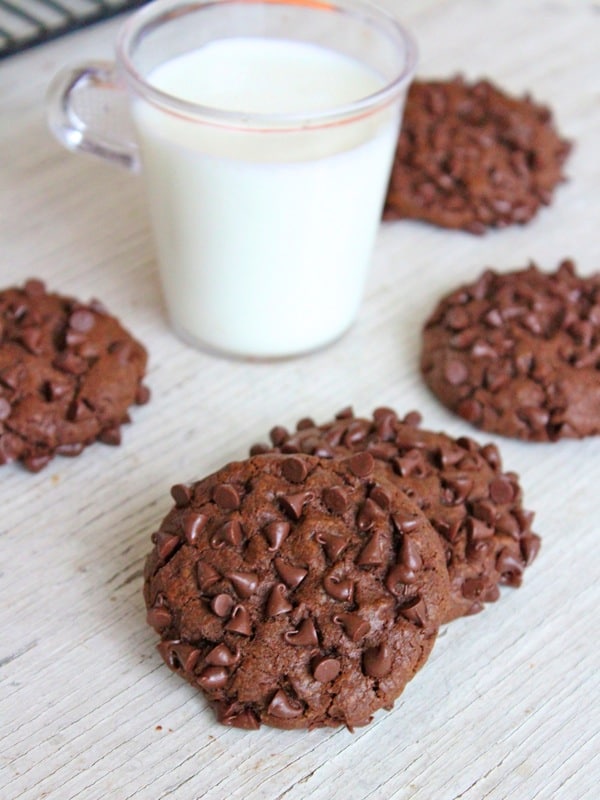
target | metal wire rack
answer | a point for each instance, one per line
(26, 23)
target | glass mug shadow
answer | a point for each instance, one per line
(265, 132)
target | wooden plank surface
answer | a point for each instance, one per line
(507, 706)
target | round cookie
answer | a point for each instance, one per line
(519, 353)
(296, 591)
(68, 373)
(469, 156)
(458, 484)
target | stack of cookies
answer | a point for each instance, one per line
(305, 585)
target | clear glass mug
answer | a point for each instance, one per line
(265, 206)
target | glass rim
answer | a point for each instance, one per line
(155, 13)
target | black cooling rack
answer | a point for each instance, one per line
(25, 23)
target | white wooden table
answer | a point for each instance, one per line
(508, 706)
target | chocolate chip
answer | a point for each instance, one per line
(70, 450)
(304, 636)
(244, 583)
(414, 611)
(206, 575)
(159, 618)
(501, 490)
(181, 494)
(510, 568)
(336, 499)
(70, 363)
(226, 497)
(478, 530)
(179, 655)
(530, 547)
(361, 464)
(278, 602)
(385, 420)
(5, 409)
(213, 678)
(373, 553)
(82, 320)
(473, 588)
(368, 515)
(282, 707)
(166, 544)
(222, 656)
(36, 461)
(278, 435)
(377, 661)
(382, 497)
(409, 554)
(354, 626)
(470, 410)
(293, 504)
(221, 604)
(34, 287)
(485, 510)
(193, 525)
(31, 339)
(305, 423)
(10, 376)
(325, 668)
(459, 488)
(79, 410)
(534, 417)
(294, 469)
(276, 533)
(291, 576)
(405, 521)
(338, 588)
(398, 577)
(457, 318)
(230, 533)
(121, 349)
(333, 543)
(240, 621)
(142, 395)
(235, 717)
(456, 372)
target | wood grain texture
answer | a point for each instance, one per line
(507, 706)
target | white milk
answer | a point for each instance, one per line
(264, 238)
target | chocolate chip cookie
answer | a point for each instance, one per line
(296, 591)
(68, 373)
(472, 157)
(519, 353)
(459, 485)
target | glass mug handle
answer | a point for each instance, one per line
(88, 113)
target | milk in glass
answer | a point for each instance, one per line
(264, 236)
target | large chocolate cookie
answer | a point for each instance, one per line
(458, 484)
(471, 157)
(519, 354)
(296, 591)
(68, 373)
